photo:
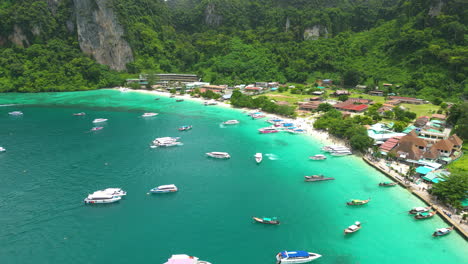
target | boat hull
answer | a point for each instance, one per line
(104, 201)
(360, 203)
(312, 257)
(262, 221)
(387, 184)
(319, 179)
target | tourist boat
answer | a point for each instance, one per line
(231, 122)
(179, 100)
(96, 128)
(79, 114)
(416, 210)
(258, 157)
(296, 131)
(172, 96)
(442, 231)
(275, 121)
(156, 99)
(185, 259)
(219, 155)
(114, 191)
(268, 130)
(212, 102)
(267, 220)
(425, 215)
(16, 113)
(358, 202)
(317, 178)
(149, 114)
(101, 197)
(166, 142)
(387, 184)
(2, 149)
(99, 120)
(258, 115)
(164, 189)
(296, 257)
(185, 128)
(332, 148)
(339, 153)
(318, 157)
(123, 89)
(353, 228)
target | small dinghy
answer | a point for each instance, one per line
(267, 220)
(358, 202)
(149, 114)
(416, 210)
(96, 128)
(442, 231)
(185, 128)
(425, 215)
(387, 184)
(258, 157)
(317, 178)
(296, 257)
(353, 228)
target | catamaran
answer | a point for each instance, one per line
(258, 157)
(99, 120)
(296, 257)
(164, 189)
(185, 259)
(219, 155)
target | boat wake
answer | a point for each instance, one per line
(272, 156)
(7, 105)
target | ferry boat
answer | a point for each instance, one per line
(258, 157)
(314, 178)
(387, 184)
(231, 122)
(185, 259)
(114, 191)
(79, 114)
(2, 149)
(442, 231)
(99, 120)
(268, 130)
(219, 155)
(96, 128)
(416, 210)
(185, 128)
(267, 220)
(149, 114)
(101, 197)
(16, 113)
(318, 157)
(425, 215)
(296, 257)
(164, 189)
(353, 228)
(358, 202)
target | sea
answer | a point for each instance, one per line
(53, 161)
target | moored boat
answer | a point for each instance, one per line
(99, 120)
(179, 100)
(16, 113)
(387, 184)
(267, 220)
(258, 115)
(296, 257)
(2, 149)
(185, 259)
(425, 215)
(166, 142)
(211, 102)
(79, 114)
(339, 153)
(296, 131)
(318, 157)
(96, 128)
(317, 178)
(149, 114)
(268, 130)
(164, 189)
(442, 231)
(185, 128)
(114, 191)
(231, 122)
(353, 228)
(218, 155)
(258, 157)
(358, 202)
(101, 197)
(416, 210)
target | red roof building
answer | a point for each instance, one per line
(389, 144)
(250, 88)
(355, 108)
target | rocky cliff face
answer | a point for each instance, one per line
(212, 18)
(100, 34)
(315, 32)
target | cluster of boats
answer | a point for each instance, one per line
(337, 150)
(166, 142)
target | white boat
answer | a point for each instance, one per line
(149, 114)
(258, 157)
(114, 191)
(268, 130)
(219, 155)
(2, 149)
(353, 228)
(339, 153)
(99, 120)
(296, 257)
(123, 89)
(166, 142)
(231, 122)
(318, 157)
(212, 102)
(185, 259)
(16, 113)
(334, 148)
(296, 131)
(164, 189)
(101, 197)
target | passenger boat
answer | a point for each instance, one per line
(353, 228)
(332, 148)
(99, 120)
(114, 191)
(268, 130)
(274, 120)
(425, 215)
(317, 178)
(219, 155)
(96, 128)
(358, 202)
(164, 189)
(442, 231)
(185, 259)
(387, 184)
(416, 210)
(16, 113)
(231, 122)
(258, 157)
(166, 142)
(267, 220)
(185, 128)
(149, 114)
(258, 115)
(179, 100)
(339, 153)
(318, 157)
(296, 131)
(2, 149)
(212, 102)
(101, 197)
(79, 114)
(296, 257)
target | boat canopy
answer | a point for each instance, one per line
(294, 254)
(353, 227)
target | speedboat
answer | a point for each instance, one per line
(16, 113)
(258, 157)
(442, 231)
(149, 114)
(296, 257)
(101, 197)
(79, 114)
(96, 128)
(114, 191)
(353, 228)
(164, 189)
(317, 178)
(2, 149)
(185, 128)
(231, 122)
(268, 130)
(387, 184)
(99, 120)
(219, 155)
(318, 157)
(267, 220)
(425, 215)
(416, 210)
(358, 202)
(166, 142)
(185, 259)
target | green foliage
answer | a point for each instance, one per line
(343, 97)
(324, 107)
(458, 117)
(241, 100)
(453, 190)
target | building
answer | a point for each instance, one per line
(341, 92)
(252, 89)
(261, 84)
(327, 82)
(354, 108)
(376, 93)
(361, 87)
(214, 88)
(438, 116)
(388, 145)
(393, 102)
(421, 121)
(410, 147)
(384, 109)
(407, 100)
(309, 105)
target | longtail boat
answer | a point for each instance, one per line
(317, 178)
(416, 210)
(358, 202)
(267, 220)
(387, 184)
(425, 215)
(353, 228)
(442, 231)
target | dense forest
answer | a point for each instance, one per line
(419, 45)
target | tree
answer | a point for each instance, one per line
(453, 190)
(399, 126)
(343, 97)
(324, 107)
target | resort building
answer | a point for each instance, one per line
(407, 100)
(214, 88)
(355, 105)
(253, 90)
(309, 106)
(341, 92)
(376, 93)
(438, 116)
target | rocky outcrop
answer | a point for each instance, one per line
(18, 37)
(315, 32)
(211, 16)
(100, 34)
(436, 8)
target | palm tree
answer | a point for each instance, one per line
(410, 173)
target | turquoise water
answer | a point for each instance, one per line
(53, 161)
